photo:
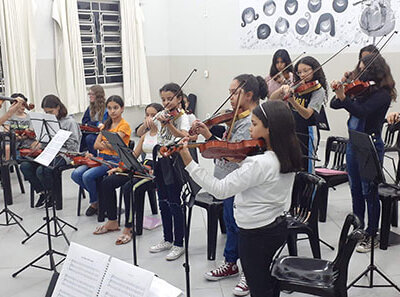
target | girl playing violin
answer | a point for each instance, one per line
(280, 60)
(306, 105)
(40, 177)
(171, 123)
(113, 181)
(95, 115)
(262, 187)
(367, 113)
(252, 91)
(86, 177)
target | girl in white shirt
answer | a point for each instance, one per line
(262, 187)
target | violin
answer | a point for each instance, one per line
(169, 114)
(29, 106)
(217, 149)
(355, 87)
(302, 88)
(89, 129)
(25, 132)
(27, 152)
(82, 160)
(222, 117)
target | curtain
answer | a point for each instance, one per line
(18, 47)
(136, 81)
(70, 79)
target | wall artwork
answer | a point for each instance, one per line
(327, 25)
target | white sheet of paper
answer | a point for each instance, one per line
(37, 124)
(53, 147)
(160, 288)
(82, 272)
(126, 280)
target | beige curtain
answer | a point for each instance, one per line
(70, 78)
(18, 47)
(134, 67)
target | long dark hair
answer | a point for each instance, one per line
(318, 75)
(255, 84)
(19, 95)
(379, 72)
(52, 101)
(117, 99)
(284, 55)
(372, 49)
(284, 142)
(174, 88)
(98, 106)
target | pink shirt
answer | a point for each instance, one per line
(273, 85)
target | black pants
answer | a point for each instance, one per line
(256, 250)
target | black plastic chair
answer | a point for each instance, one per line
(214, 209)
(303, 218)
(316, 276)
(391, 137)
(333, 171)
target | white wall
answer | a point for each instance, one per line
(184, 34)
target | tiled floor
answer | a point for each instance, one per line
(33, 282)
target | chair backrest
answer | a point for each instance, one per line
(305, 196)
(347, 242)
(192, 98)
(391, 135)
(336, 146)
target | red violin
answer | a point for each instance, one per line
(216, 149)
(89, 129)
(27, 152)
(222, 117)
(25, 132)
(301, 88)
(355, 87)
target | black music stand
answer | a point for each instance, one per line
(135, 168)
(370, 169)
(11, 217)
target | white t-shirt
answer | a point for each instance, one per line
(261, 192)
(148, 144)
(165, 136)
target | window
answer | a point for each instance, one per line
(100, 28)
(2, 86)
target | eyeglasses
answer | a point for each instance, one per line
(91, 94)
(307, 71)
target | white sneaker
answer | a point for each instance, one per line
(175, 253)
(241, 289)
(159, 247)
(365, 245)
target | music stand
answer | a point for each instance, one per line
(135, 168)
(370, 169)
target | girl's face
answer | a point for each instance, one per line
(21, 110)
(257, 130)
(305, 72)
(366, 53)
(114, 110)
(245, 98)
(54, 111)
(280, 65)
(169, 100)
(150, 112)
(92, 96)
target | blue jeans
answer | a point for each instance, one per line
(231, 251)
(363, 191)
(86, 177)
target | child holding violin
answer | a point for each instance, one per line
(367, 112)
(95, 115)
(86, 177)
(262, 187)
(172, 123)
(245, 98)
(40, 177)
(306, 102)
(114, 181)
(280, 60)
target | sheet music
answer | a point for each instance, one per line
(53, 147)
(160, 287)
(82, 272)
(37, 124)
(125, 280)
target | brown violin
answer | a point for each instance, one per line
(29, 106)
(89, 129)
(220, 118)
(25, 132)
(355, 87)
(302, 88)
(27, 152)
(217, 149)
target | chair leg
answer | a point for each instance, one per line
(80, 194)
(323, 203)
(119, 206)
(32, 194)
(139, 214)
(292, 244)
(153, 201)
(20, 181)
(6, 183)
(395, 214)
(315, 246)
(212, 227)
(57, 190)
(387, 205)
(221, 221)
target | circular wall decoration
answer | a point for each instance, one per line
(269, 7)
(281, 25)
(291, 6)
(248, 15)
(263, 31)
(340, 5)
(302, 26)
(314, 5)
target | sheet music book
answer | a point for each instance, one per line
(88, 273)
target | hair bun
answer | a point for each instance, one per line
(262, 86)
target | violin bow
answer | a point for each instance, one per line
(181, 86)
(242, 84)
(375, 56)
(280, 72)
(228, 137)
